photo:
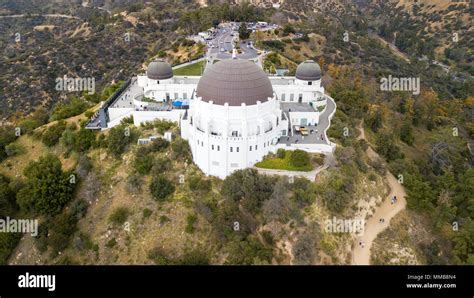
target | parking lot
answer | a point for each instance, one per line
(221, 41)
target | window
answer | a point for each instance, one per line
(185, 95)
(292, 97)
(300, 97)
(256, 147)
(237, 149)
(212, 147)
(176, 95)
(250, 148)
(235, 133)
(218, 148)
(167, 96)
(231, 149)
(310, 83)
(283, 97)
(158, 82)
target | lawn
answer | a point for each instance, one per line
(191, 69)
(276, 163)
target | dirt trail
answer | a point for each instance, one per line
(387, 210)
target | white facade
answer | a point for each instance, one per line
(224, 138)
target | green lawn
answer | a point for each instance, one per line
(191, 69)
(276, 163)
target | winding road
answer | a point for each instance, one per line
(387, 210)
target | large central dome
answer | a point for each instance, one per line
(234, 82)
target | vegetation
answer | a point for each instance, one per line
(194, 69)
(47, 188)
(297, 160)
(119, 216)
(161, 188)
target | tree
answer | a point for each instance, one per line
(244, 33)
(420, 195)
(119, 137)
(161, 188)
(304, 250)
(53, 133)
(7, 136)
(47, 188)
(464, 244)
(406, 133)
(248, 188)
(299, 158)
(8, 204)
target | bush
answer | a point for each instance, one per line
(143, 164)
(8, 204)
(53, 133)
(161, 188)
(134, 183)
(299, 158)
(119, 137)
(147, 213)
(196, 183)
(14, 149)
(8, 242)
(7, 136)
(47, 188)
(281, 153)
(181, 149)
(72, 108)
(191, 220)
(119, 216)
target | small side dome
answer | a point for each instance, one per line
(159, 70)
(308, 71)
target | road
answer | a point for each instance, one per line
(224, 40)
(387, 210)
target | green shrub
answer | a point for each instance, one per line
(281, 153)
(299, 158)
(8, 242)
(53, 133)
(143, 164)
(119, 216)
(72, 108)
(147, 213)
(161, 188)
(191, 221)
(196, 183)
(47, 187)
(111, 243)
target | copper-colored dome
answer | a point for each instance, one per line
(234, 82)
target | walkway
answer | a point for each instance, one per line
(387, 210)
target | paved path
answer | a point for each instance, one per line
(387, 210)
